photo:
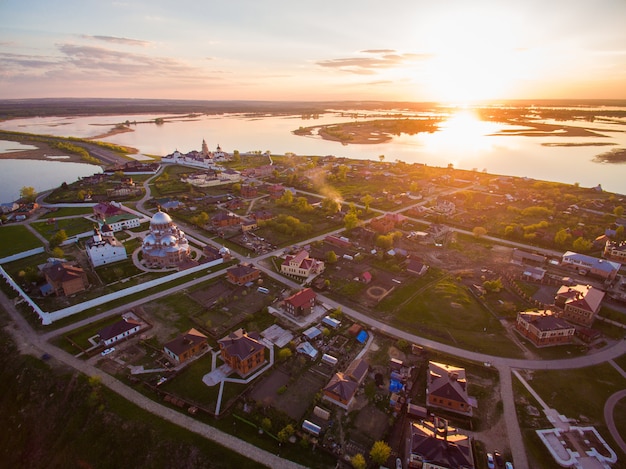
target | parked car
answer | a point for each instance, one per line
(106, 351)
(398, 463)
(508, 465)
(490, 461)
(499, 460)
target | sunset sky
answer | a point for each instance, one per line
(411, 50)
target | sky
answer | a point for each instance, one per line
(397, 50)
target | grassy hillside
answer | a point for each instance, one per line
(53, 418)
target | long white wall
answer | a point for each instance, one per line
(48, 318)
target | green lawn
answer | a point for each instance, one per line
(16, 239)
(68, 212)
(583, 401)
(72, 227)
(440, 308)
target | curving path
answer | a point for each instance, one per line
(609, 418)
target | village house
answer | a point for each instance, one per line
(602, 268)
(544, 328)
(248, 191)
(212, 253)
(446, 388)
(242, 274)
(615, 251)
(104, 210)
(580, 303)
(65, 278)
(276, 191)
(104, 249)
(262, 215)
(383, 225)
(122, 221)
(435, 444)
(118, 331)
(223, 219)
(301, 265)
(243, 352)
(258, 172)
(300, 303)
(342, 387)
(186, 346)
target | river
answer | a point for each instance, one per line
(462, 140)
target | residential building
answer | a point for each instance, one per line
(435, 445)
(242, 274)
(544, 328)
(248, 191)
(615, 251)
(104, 250)
(446, 387)
(186, 346)
(223, 219)
(165, 245)
(119, 330)
(300, 303)
(122, 221)
(580, 303)
(602, 268)
(242, 351)
(342, 387)
(104, 210)
(65, 278)
(301, 265)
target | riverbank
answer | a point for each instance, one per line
(43, 152)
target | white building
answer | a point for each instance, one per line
(104, 250)
(123, 221)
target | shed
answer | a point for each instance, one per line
(321, 413)
(311, 333)
(329, 359)
(334, 323)
(307, 349)
(310, 427)
(362, 337)
(354, 329)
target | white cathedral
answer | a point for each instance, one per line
(165, 245)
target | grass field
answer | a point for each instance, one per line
(16, 239)
(72, 227)
(68, 212)
(583, 401)
(440, 308)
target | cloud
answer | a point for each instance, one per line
(376, 59)
(82, 62)
(119, 40)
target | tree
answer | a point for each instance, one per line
(286, 432)
(285, 200)
(331, 257)
(367, 200)
(493, 285)
(582, 245)
(236, 188)
(57, 253)
(358, 461)
(618, 211)
(200, 220)
(351, 220)
(303, 205)
(58, 239)
(266, 424)
(479, 231)
(385, 241)
(380, 452)
(619, 233)
(330, 206)
(562, 237)
(342, 172)
(236, 156)
(284, 354)
(28, 193)
(381, 158)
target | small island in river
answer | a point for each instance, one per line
(370, 132)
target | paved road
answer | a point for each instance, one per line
(609, 414)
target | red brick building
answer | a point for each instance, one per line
(242, 351)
